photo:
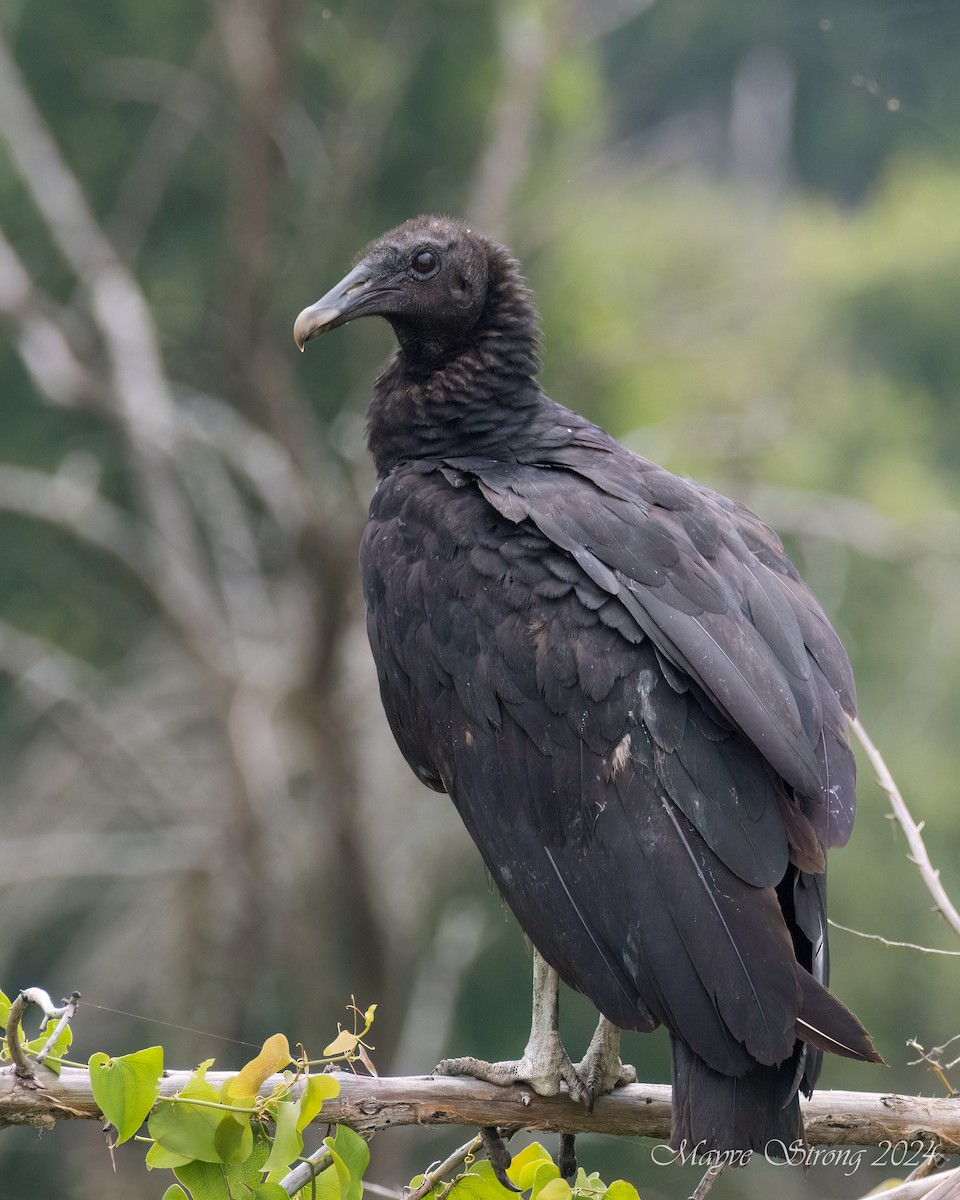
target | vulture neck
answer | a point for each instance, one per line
(465, 394)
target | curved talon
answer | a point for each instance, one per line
(569, 1074)
(499, 1156)
(567, 1156)
(542, 1074)
(600, 1068)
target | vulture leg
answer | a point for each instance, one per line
(600, 1070)
(545, 1064)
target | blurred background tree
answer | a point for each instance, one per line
(740, 221)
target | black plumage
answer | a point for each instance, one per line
(620, 680)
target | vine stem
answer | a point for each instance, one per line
(438, 1173)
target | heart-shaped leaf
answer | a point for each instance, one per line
(200, 1132)
(126, 1088)
(203, 1131)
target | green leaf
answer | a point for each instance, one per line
(198, 1132)
(232, 1101)
(201, 1131)
(316, 1089)
(588, 1183)
(197, 1085)
(174, 1192)
(160, 1159)
(556, 1189)
(351, 1157)
(621, 1190)
(524, 1166)
(56, 1051)
(287, 1142)
(218, 1181)
(478, 1183)
(343, 1179)
(126, 1088)
(269, 1191)
(205, 1181)
(543, 1174)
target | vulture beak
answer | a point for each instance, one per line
(341, 304)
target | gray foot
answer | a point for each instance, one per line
(600, 1070)
(543, 1067)
(545, 1064)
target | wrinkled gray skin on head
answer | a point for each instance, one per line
(428, 278)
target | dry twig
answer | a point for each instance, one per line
(918, 851)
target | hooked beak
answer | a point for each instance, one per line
(338, 306)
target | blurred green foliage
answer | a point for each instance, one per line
(740, 223)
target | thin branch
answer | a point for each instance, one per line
(185, 102)
(710, 1177)
(39, 337)
(301, 1174)
(918, 851)
(142, 393)
(103, 725)
(933, 1162)
(377, 1189)
(69, 1010)
(22, 1066)
(506, 158)
(75, 505)
(876, 937)
(949, 1181)
(107, 854)
(934, 1060)
(265, 463)
(437, 1174)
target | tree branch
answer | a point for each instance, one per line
(41, 341)
(639, 1110)
(524, 58)
(933, 1187)
(142, 394)
(918, 851)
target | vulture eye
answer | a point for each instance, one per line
(425, 263)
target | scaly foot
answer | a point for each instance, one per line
(545, 1064)
(600, 1070)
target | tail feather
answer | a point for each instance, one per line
(827, 1023)
(759, 1111)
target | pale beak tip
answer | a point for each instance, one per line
(314, 321)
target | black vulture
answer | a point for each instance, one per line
(619, 678)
